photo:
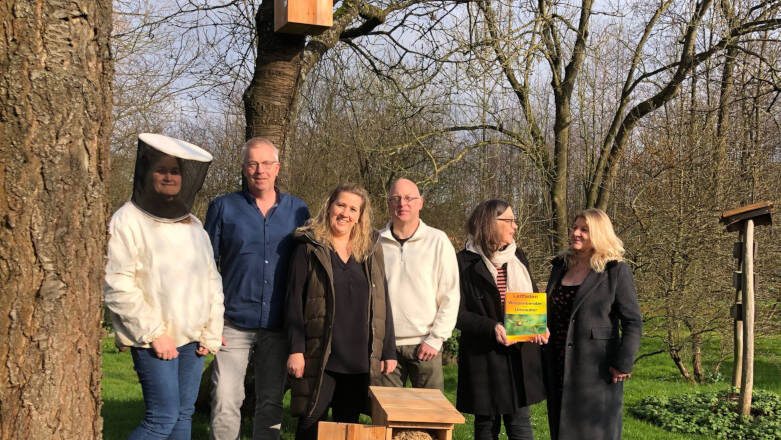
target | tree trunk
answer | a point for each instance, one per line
(737, 327)
(270, 99)
(55, 109)
(562, 90)
(722, 125)
(559, 183)
(697, 369)
(675, 355)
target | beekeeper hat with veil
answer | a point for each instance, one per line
(165, 154)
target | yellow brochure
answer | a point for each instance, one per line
(525, 315)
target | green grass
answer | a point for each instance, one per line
(123, 406)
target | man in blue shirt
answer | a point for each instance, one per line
(251, 232)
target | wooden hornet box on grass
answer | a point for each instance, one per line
(396, 411)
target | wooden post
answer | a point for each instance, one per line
(747, 380)
(743, 220)
(737, 352)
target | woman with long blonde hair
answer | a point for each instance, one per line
(339, 321)
(595, 325)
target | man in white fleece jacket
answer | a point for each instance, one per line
(423, 285)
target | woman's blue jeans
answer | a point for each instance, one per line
(170, 389)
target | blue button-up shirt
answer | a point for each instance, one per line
(252, 253)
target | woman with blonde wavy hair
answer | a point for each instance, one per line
(595, 325)
(338, 319)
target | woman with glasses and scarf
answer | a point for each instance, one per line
(497, 379)
(162, 286)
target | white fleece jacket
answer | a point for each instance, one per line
(423, 285)
(161, 278)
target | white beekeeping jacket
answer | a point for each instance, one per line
(161, 278)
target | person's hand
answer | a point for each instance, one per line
(223, 341)
(295, 365)
(387, 366)
(501, 335)
(618, 376)
(426, 352)
(202, 351)
(542, 339)
(164, 347)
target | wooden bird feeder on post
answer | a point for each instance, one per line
(399, 413)
(303, 17)
(743, 220)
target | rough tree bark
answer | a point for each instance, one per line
(55, 107)
(270, 99)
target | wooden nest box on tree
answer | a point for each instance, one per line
(400, 414)
(302, 17)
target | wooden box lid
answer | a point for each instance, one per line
(761, 213)
(417, 405)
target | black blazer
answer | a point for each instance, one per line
(492, 379)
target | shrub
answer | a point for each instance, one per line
(714, 414)
(450, 348)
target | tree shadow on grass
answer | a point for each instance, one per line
(120, 417)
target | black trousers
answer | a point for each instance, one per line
(346, 394)
(517, 426)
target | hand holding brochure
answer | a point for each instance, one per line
(525, 315)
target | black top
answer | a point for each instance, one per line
(350, 332)
(560, 313)
(350, 340)
(400, 240)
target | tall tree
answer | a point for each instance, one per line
(283, 61)
(55, 110)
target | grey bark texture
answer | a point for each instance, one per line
(55, 110)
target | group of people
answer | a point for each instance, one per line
(330, 306)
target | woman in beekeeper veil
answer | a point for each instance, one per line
(162, 285)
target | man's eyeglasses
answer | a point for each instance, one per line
(252, 166)
(396, 200)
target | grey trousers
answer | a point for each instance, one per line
(269, 349)
(421, 374)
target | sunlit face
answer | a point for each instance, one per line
(579, 239)
(506, 225)
(404, 202)
(167, 177)
(260, 168)
(343, 213)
